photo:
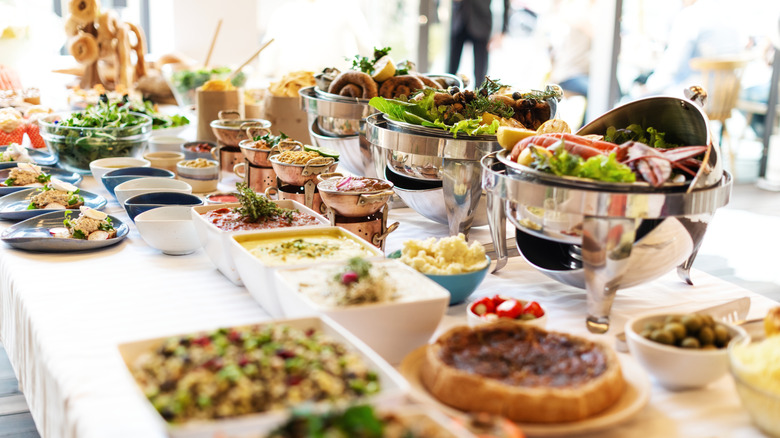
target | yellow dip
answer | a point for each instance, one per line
(760, 363)
(285, 251)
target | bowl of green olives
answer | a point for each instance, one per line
(681, 351)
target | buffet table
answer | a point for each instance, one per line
(64, 314)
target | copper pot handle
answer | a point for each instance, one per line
(254, 129)
(373, 198)
(378, 239)
(224, 113)
(215, 153)
(323, 176)
(270, 192)
(317, 166)
(242, 166)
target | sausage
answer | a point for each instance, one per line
(400, 85)
(428, 82)
(357, 84)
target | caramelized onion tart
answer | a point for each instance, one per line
(522, 372)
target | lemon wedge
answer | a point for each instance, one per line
(772, 322)
(384, 69)
(554, 126)
(508, 136)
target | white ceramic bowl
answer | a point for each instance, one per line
(165, 143)
(411, 319)
(474, 320)
(673, 367)
(169, 229)
(202, 179)
(104, 165)
(216, 242)
(137, 186)
(392, 393)
(164, 159)
(258, 276)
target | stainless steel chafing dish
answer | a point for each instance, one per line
(600, 237)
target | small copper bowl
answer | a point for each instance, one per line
(299, 174)
(230, 130)
(354, 203)
(257, 155)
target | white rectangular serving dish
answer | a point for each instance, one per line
(258, 277)
(216, 242)
(393, 392)
(393, 329)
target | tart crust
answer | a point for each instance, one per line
(528, 392)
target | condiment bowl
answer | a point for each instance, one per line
(258, 156)
(412, 317)
(474, 320)
(118, 176)
(216, 241)
(232, 131)
(673, 367)
(164, 159)
(461, 286)
(169, 229)
(137, 186)
(258, 273)
(221, 198)
(147, 201)
(198, 149)
(756, 383)
(165, 143)
(104, 165)
(299, 174)
(202, 179)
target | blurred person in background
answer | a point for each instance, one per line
(703, 28)
(472, 20)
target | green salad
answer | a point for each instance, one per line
(159, 120)
(187, 80)
(600, 167)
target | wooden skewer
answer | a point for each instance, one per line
(213, 42)
(233, 75)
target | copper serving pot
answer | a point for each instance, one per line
(310, 199)
(230, 129)
(259, 156)
(256, 177)
(353, 203)
(298, 174)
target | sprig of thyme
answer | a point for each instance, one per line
(257, 208)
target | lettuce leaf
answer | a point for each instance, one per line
(600, 167)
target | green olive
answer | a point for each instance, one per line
(652, 326)
(677, 329)
(706, 336)
(692, 323)
(671, 318)
(690, 342)
(646, 333)
(722, 336)
(709, 347)
(707, 321)
(662, 336)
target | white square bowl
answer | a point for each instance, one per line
(393, 329)
(216, 242)
(258, 276)
(392, 393)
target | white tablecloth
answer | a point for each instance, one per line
(62, 316)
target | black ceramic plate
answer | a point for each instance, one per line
(14, 206)
(33, 235)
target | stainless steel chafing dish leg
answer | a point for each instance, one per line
(606, 248)
(497, 224)
(462, 184)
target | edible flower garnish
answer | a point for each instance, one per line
(357, 268)
(257, 208)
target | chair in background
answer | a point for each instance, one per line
(721, 78)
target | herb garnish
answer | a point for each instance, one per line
(635, 132)
(257, 208)
(270, 139)
(356, 269)
(365, 64)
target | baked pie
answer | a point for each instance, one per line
(522, 372)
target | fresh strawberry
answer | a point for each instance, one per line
(33, 131)
(509, 309)
(533, 308)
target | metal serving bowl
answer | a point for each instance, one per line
(231, 130)
(352, 203)
(259, 156)
(354, 151)
(299, 174)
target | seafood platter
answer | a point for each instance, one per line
(602, 210)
